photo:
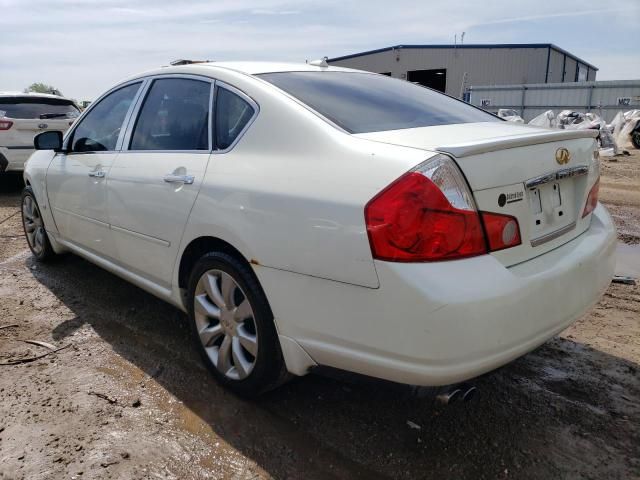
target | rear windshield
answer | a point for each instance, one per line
(34, 107)
(362, 102)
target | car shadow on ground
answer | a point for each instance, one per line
(11, 182)
(554, 412)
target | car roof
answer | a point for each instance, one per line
(255, 68)
(30, 94)
(247, 68)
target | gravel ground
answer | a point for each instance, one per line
(128, 398)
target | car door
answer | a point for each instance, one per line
(154, 181)
(76, 179)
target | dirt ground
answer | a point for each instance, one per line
(129, 399)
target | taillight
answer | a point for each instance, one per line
(592, 199)
(426, 215)
(429, 214)
(5, 124)
(502, 231)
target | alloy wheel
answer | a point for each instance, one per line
(225, 323)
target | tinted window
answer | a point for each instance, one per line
(175, 116)
(361, 102)
(232, 115)
(99, 129)
(34, 107)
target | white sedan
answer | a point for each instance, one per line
(311, 216)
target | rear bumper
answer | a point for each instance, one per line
(441, 323)
(14, 158)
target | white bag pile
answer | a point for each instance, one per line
(546, 120)
(510, 115)
(631, 121)
(614, 138)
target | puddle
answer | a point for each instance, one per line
(628, 260)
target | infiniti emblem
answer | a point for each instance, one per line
(563, 156)
(43, 125)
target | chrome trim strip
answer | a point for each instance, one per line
(142, 236)
(553, 235)
(95, 152)
(203, 152)
(572, 172)
(82, 217)
(541, 180)
(151, 239)
(558, 175)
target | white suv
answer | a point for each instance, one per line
(22, 116)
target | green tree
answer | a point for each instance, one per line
(40, 87)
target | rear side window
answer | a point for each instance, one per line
(362, 102)
(232, 116)
(37, 108)
(174, 116)
(99, 130)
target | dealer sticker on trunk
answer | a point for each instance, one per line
(510, 197)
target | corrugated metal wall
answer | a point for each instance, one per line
(604, 98)
(484, 65)
(556, 62)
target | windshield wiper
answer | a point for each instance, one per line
(52, 115)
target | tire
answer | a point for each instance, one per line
(635, 138)
(232, 325)
(33, 227)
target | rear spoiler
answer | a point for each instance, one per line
(477, 147)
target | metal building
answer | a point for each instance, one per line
(453, 68)
(604, 98)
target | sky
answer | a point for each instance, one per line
(83, 47)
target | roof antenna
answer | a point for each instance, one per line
(320, 63)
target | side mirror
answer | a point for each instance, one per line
(51, 140)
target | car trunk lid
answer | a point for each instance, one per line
(40, 125)
(32, 114)
(520, 171)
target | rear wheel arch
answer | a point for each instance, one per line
(199, 247)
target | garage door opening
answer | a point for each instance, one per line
(436, 79)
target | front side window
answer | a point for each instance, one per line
(99, 130)
(362, 102)
(232, 115)
(37, 108)
(174, 116)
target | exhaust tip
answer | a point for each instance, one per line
(469, 394)
(450, 397)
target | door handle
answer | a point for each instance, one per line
(98, 174)
(172, 178)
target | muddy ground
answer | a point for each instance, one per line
(128, 398)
